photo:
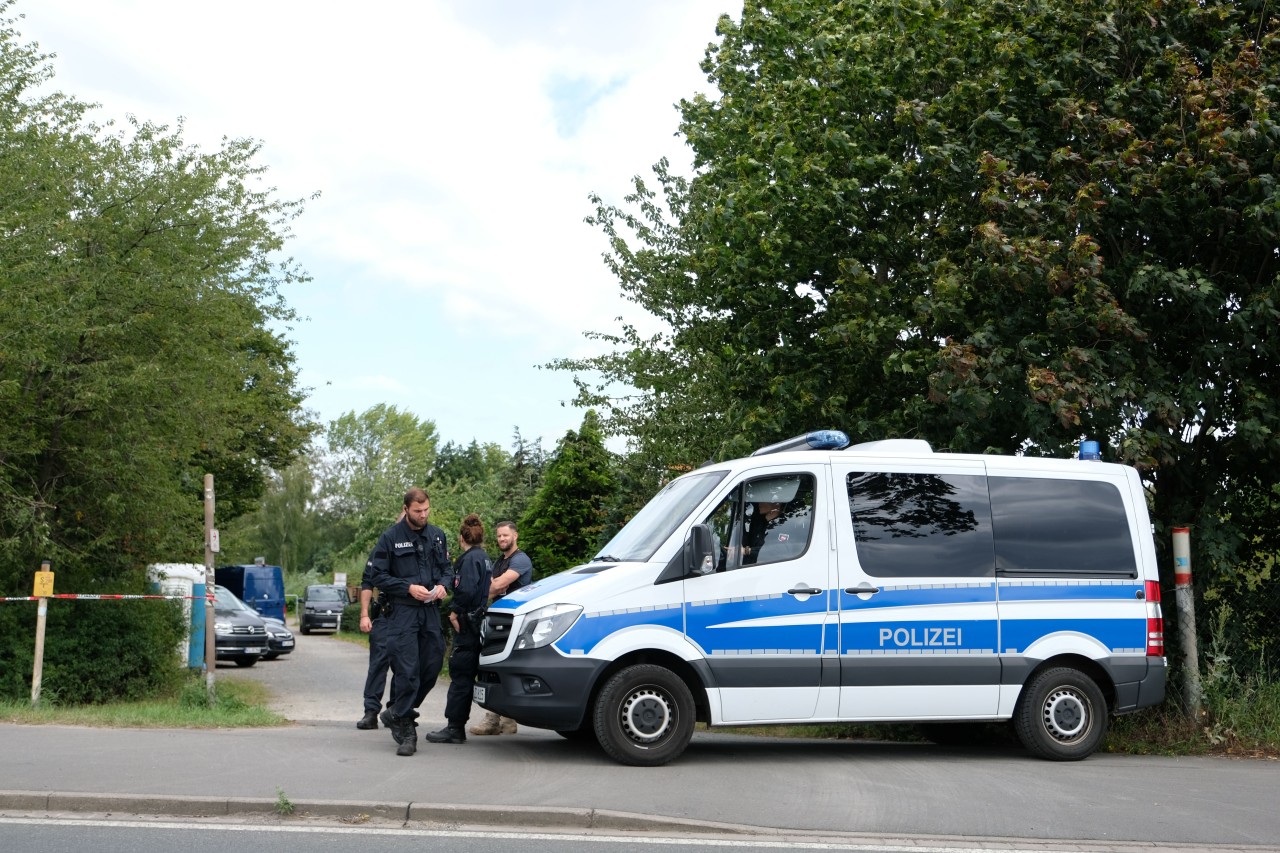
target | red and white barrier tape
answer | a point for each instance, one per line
(77, 597)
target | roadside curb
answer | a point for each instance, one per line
(450, 815)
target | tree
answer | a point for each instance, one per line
(565, 521)
(286, 529)
(140, 283)
(373, 459)
(1001, 227)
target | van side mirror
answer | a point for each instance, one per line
(699, 551)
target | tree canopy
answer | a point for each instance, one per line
(998, 226)
(567, 519)
(139, 347)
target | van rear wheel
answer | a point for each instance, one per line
(644, 716)
(1062, 715)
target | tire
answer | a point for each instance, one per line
(271, 656)
(644, 716)
(304, 628)
(1062, 715)
(246, 661)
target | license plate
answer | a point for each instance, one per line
(478, 693)
(253, 650)
(287, 643)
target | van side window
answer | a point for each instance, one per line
(1060, 527)
(765, 520)
(921, 525)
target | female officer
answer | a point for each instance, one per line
(472, 573)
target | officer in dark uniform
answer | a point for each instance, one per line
(410, 565)
(472, 573)
(371, 623)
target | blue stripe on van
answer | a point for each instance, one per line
(549, 584)
(1058, 591)
(922, 594)
(591, 628)
(764, 624)
(1119, 635)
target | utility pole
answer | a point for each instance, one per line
(210, 547)
(1185, 596)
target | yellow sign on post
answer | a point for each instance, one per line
(44, 585)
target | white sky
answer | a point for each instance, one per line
(454, 144)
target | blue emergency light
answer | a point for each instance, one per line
(1089, 451)
(821, 439)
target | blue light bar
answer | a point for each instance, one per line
(822, 439)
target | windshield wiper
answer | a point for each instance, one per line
(605, 558)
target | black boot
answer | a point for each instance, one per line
(368, 721)
(389, 720)
(408, 740)
(449, 734)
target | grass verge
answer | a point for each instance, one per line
(240, 704)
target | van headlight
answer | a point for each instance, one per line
(546, 625)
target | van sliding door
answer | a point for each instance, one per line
(918, 629)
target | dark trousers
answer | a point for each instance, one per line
(464, 663)
(415, 645)
(375, 683)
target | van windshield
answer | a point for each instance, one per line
(651, 526)
(325, 593)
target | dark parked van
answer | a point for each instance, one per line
(321, 607)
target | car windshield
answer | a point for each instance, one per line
(226, 600)
(325, 593)
(651, 526)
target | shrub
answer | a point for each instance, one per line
(94, 651)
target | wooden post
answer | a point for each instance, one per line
(43, 589)
(210, 639)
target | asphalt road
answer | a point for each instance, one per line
(800, 784)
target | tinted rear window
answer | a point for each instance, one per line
(1060, 527)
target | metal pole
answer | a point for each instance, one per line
(210, 641)
(1185, 598)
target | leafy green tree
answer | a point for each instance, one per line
(140, 292)
(998, 226)
(373, 459)
(139, 285)
(520, 479)
(287, 529)
(566, 520)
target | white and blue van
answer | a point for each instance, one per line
(817, 583)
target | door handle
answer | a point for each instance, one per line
(862, 589)
(803, 591)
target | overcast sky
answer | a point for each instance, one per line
(454, 144)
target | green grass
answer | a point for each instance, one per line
(1239, 716)
(240, 704)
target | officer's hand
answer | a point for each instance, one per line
(453, 620)
(437, 592)
(366, 624)
(419, 592)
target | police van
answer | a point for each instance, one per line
(818, 583)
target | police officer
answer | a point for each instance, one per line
(472, 573)
(410, 565)
(375, 682)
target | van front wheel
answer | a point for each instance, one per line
(1062, 715)
(644, 716)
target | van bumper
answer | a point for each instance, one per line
(540, 688)
(1140, 687)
